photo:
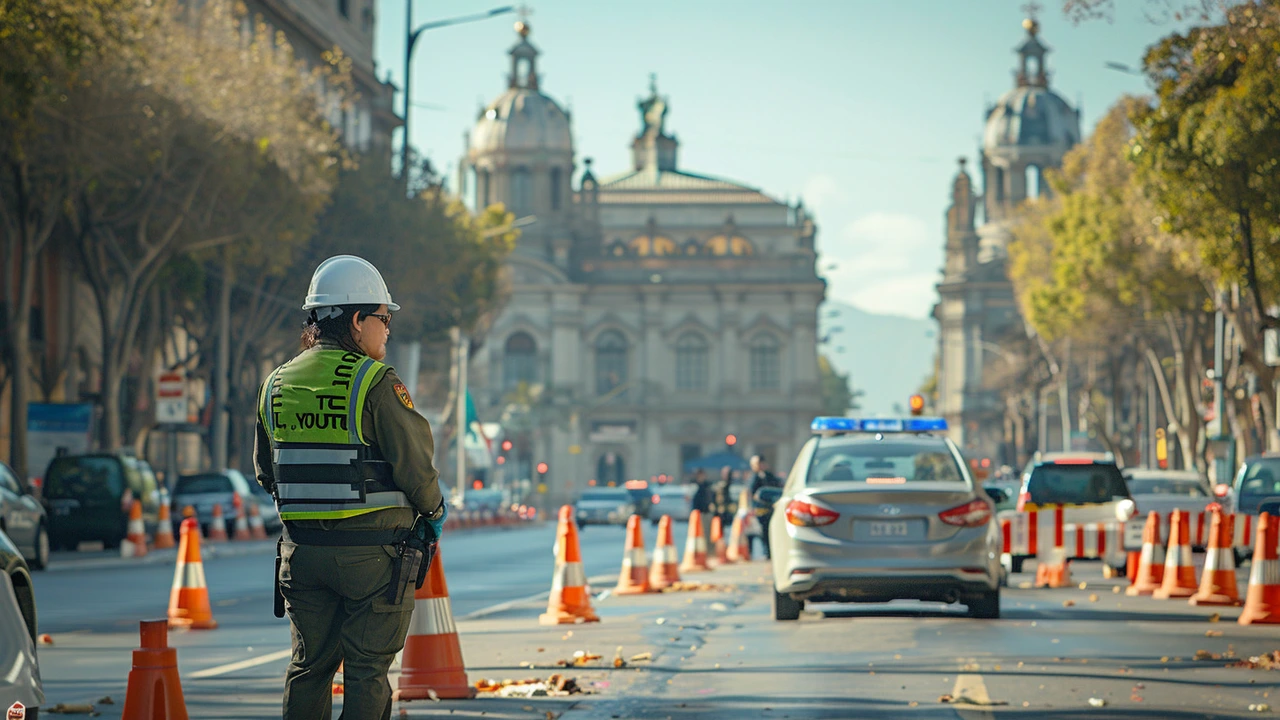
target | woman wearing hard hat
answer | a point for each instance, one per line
(349, 462)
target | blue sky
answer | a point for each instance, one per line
(859, 107)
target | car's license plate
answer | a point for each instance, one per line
(1133, 534)
(887, 529)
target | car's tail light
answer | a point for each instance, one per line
(807, 514)
(1221, 489)
(975, 513)
(656, 498)
(1023, 498)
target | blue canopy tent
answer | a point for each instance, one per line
(713, 462)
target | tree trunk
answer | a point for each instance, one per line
(221, 367)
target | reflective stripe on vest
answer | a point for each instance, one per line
(313, 409)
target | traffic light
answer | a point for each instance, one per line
(542, 468)
(730, 439)
(501, 460)
(477, 484)
(916, 403)
(1162, 450)
(506, 446)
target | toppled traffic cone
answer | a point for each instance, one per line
(665, 569)
(135, 541)
(1150, 571)
(1262, 599)
(1179, 566)
(695, 547)
(242, 520)
(189, 599)
(257, 530)
(164, 528)
(734, 552)
(569, 602)
(217, 526)
(717, 541)
(1218, 585)
(634, 578)
(155, 690)
(432, 666)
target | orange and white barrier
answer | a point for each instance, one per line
(695, 547)
(1179, 566)
(217, 526)
(1218, 584)
(164, 529)
(135, 541)
(664, 571)
(570, 602)
(1150, 570)
(1262, 599)
(241, 531)
(634, 578)
(189, 597)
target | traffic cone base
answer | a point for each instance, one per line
(634, 577)
(1053, 570)
(1179, 566)
(569, 601)
(1262, 599)
(665, 570)
(1218, 585)
(432, 660)
(189, 597)
(155, 689)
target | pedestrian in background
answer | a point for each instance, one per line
(762, 477)
(723, 499)
(349, 462)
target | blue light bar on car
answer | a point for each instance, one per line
(878, 425)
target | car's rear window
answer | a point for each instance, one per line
(607, 495)
(1076, 484)
(1166, 486)
(884, 463)
(1262, 477)
(205, 483)
(84, 477)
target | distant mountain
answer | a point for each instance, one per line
(888, 357)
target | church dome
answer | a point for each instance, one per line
(1031, 115)
(522, 119)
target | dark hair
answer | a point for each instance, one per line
(760, 458)
(336, 329)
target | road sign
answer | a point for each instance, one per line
(171, 398)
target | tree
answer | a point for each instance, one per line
(837, 398)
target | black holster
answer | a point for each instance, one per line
(414, 557)
(279, 594)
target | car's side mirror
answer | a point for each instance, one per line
(997, 494)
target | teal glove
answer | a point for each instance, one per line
(437, 525)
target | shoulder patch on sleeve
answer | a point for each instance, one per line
(402, 392)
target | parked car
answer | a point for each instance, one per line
(1165, 491)
(88, 497)
(20, 681)
(1257, 485)
(204, 491)
(675, 500)
(24, 519)
(605, 506)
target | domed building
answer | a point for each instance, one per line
(1028, 130)
(651, 314)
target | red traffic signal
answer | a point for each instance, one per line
(542, 468)
(477, 485)
(916, 403)
(501, 460)
(506, 445)
(730, 439)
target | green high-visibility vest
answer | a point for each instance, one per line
(313, 410)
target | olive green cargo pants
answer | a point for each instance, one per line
(335, 598)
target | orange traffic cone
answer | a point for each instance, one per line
(242, 520)
(1053, 568)
(665, 571)
(1179, 567)
(569, 602)
(717, 541)
(634, 578)
(217, 526)
(154, 690)
(189, 598)
(257, 530)
(1262, 599)
(695, 547)
(432, 660)
(1150, 571)
(1218, 580)
(135, 541)
(164, 529)
(734, 553)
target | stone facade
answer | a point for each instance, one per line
(655, 311)
(1030, 128)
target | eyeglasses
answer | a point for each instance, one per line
(386, 319)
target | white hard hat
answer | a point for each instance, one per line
(347, 280)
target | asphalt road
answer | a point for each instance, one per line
(1071, 653)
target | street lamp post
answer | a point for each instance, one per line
(410, 41)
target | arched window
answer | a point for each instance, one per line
(691, 246)
(691, 362)
(618, 248)
(729, 245)
(555, 188)
(521, 191)
(766, 368)
(611, 361)
(1032, 178)
(519, 360)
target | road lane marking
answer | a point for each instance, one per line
(243, 664)
(501, 607)
(972, 687)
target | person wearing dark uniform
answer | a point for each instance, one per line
(349, 462)
(762, 477)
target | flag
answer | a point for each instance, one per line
(474, 430)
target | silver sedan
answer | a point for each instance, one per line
(875, 511)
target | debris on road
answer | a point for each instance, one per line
(46, 639)
(1068, 603)
(1206, 655)
(1260, 707)
(65, 709)
(556, 685)
(1093, 597)
(1115, 589)
(618, 662)
(642, 657)
(687, 586)
(1266, 661)
(105, 701)
(1097, 702)
(1213, 633)
(966, 700)
(1215, 617)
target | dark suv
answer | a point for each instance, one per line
(1257, 485)
(88, 498)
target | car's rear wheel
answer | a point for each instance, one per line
(40, 560)
(786, 607)
(984, 606)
